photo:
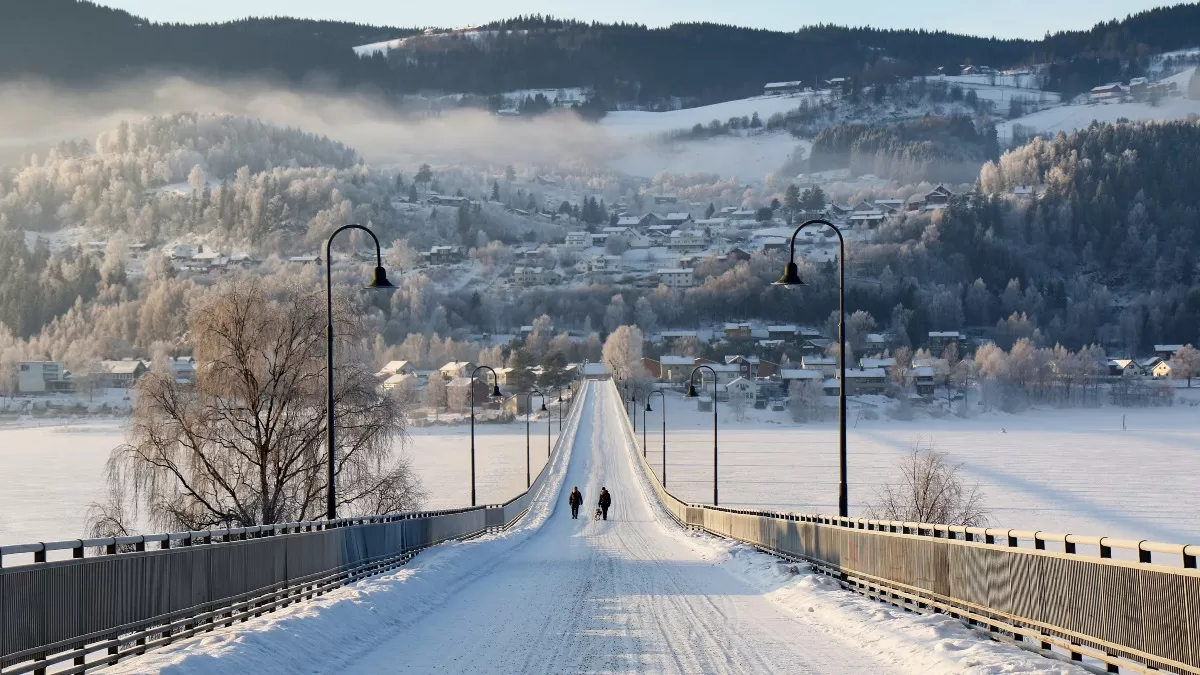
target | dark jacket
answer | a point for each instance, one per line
(575, 499)
(605, 499)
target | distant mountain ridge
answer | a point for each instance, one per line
(80, 43)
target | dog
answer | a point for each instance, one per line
(597, 515)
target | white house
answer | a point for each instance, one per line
(397, 380)
(885, 363)
(1107, 92)
(37, 377)
(687, 241)
(789, 375)
(121, 374)
(395, 368)
(617, 231)
(783, 87)
(629, 221)
(530, 276)
(822, 364)
(677, 278)
(578, 240)
(742, 390)
(1161, 370)
(456, 369)
(183, 368)
(726, 372)
(676, 368)
(675, 219)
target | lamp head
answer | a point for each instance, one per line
(380, 280)
(543, 406)
(496, 391)
(691, 393)
(648, 408)
(791, 276)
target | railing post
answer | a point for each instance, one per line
(1143, 554)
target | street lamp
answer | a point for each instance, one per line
(633, 392)
(664, 429)
(633, 403)
(378, 280)
(791, 279)
(495, 394)
(693, 394)
(529, 415)
(560, 407)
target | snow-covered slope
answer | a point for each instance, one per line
(1070, 118)
(640, 123)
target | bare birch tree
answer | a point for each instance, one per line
(246, 443)
(930, 490)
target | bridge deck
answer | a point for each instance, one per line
(634, 594)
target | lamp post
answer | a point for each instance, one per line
(791, 279)
(633, 403)
(633, 408)
(378, 280)
(664, 429)
(560, 407)
(495, 394)
(528, 416)
(693, 394)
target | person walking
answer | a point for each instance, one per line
(605, 502)
(576, 501)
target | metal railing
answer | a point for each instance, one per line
(1131, 615)
(117, 597)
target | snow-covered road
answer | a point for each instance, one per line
(635, 594)
(628, 595)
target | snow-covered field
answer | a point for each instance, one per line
(1070, 471)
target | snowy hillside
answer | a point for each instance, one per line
(749, 157)
(378, 47)
(1070, 118)
(639, 122)
(1006, 88)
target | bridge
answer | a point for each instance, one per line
(532, 590)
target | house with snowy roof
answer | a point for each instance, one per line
(779, 88)
(687, 241)
(677, 219)
(395, 368)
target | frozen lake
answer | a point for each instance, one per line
(1071, 471)
(1068, 471)
(52, 473)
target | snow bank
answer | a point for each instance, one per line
(933, 643)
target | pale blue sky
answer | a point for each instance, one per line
(1014, 18)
